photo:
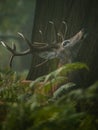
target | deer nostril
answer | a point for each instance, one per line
(64, 43)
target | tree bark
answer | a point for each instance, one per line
(78, 14)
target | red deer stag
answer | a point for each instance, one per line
(58, 49)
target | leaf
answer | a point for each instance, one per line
(63, 90)
(33, 84)
(71, 67)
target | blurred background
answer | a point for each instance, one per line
(16, 16)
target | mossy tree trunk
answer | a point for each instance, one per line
(78, 14)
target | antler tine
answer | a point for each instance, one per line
(35, 46)
(60, 35)
(65, 23)
(11, 50)
(13, 46)
(14, 53)
(11, 60)
(51, 22)
(12, 56)
(63, 34)
(41, 33)
(25, 39)
(6, 46)
(55, 31)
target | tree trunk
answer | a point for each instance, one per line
(78, 14)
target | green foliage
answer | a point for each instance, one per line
(40, 108)
(10, 86)
(51, 82)
(63, 90)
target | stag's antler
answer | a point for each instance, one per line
(33, 48)
(48, 51)
(63, 34)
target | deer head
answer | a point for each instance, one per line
(66, 50)
(62, 49)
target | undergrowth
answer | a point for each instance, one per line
(48, 103)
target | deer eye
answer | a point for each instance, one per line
(64, 43)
